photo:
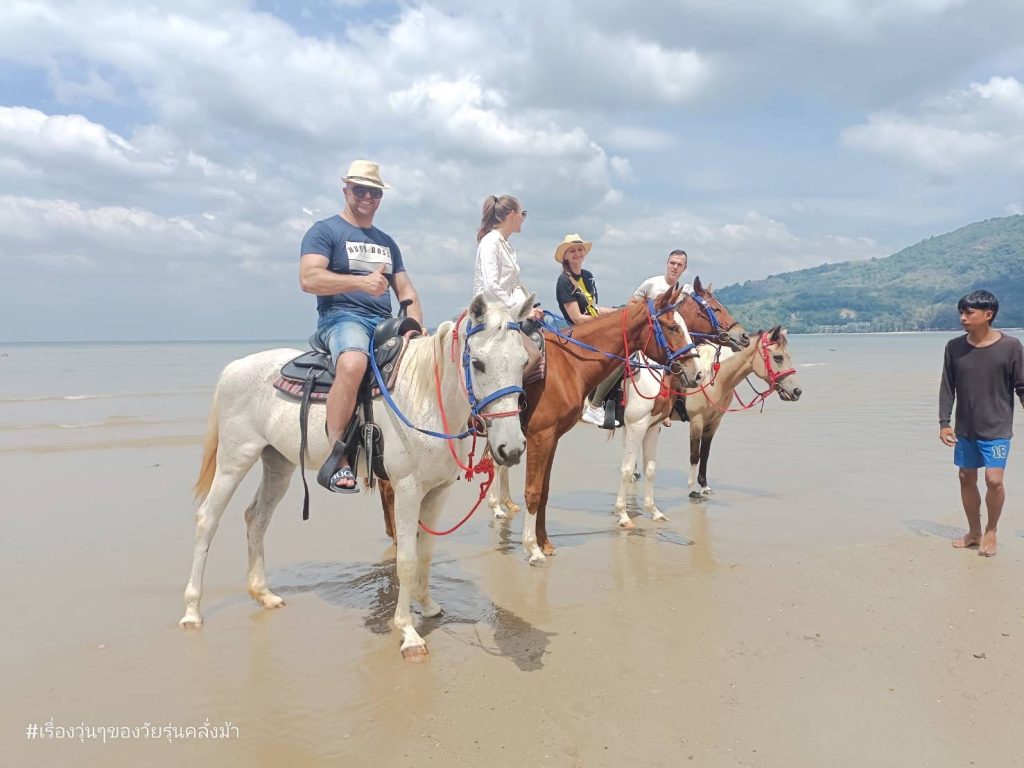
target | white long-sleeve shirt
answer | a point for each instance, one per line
(496, 274)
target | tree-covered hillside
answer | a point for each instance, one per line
(915, 289)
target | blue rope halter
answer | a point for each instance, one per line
(475, 406)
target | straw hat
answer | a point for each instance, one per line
(365, 174)
(570, 240)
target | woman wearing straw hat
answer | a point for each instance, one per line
(496, 274)
(576, 290)
(577, 298)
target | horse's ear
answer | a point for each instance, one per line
(697, 287)
(710, 288)
(775, 333)
(668, 298)
(478, 308)
(525, 308)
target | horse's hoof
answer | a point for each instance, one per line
(430, 610)
(499, 514)
(548, 549)
(659, 516)
(416, 654)
(706, 490)
(627, 524)
(537, 559)
(269, 600)
(694, 494)
(190, 622)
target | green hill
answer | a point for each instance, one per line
(913, 290)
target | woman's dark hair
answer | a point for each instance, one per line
(495, 210)
(979, 300)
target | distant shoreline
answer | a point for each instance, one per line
(302, 342)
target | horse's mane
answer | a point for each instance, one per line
(418, 365)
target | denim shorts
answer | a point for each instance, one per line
(346, 331)
(975, 454)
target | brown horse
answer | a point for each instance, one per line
(554, 405)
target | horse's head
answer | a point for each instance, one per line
(773, 365)
(707, 316)
(672, 344)
(494, 359)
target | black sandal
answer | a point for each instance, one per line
(330, 473)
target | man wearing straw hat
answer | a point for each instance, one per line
(350, 266)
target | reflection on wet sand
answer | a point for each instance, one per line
(372, 588)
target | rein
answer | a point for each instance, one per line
(477, 417)
(659, 335)
(484, 466)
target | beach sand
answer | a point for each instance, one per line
(811, 612)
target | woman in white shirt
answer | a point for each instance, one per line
(496, 274)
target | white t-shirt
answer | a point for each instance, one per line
(496, 274)
(653, 287)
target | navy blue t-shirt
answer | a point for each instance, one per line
(354, 250)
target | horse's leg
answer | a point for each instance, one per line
(542, 512)
(705, 450)
(408, 500)
(538, 446)
(277, 473)
(695, 431)
(500, 501)
(430, 511)
(630, 446)
(387, 504)
(650, 467)
(233, 462)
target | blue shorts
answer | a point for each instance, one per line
(974, 454)
(347, 331)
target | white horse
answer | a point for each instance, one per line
(767, 358)
(251, 420)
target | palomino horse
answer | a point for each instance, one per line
(554, 405)
(768, 359)
(701, 313)
(251, 420)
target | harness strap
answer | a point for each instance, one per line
(307, 390)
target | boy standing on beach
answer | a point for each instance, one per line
(981, 371)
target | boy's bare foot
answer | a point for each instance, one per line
(987, 548)
(967, 542)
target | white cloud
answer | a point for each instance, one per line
(966, 130)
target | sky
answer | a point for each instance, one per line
(161, 161)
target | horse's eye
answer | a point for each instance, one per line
(479, 367)
(674, 328)
(778, 359)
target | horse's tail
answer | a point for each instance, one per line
(208, 466)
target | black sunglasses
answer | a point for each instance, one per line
(364, 192)
(523, 213)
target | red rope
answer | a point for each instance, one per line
(484, 466)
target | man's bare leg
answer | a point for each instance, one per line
(995, 495)
(341, 400)
(972, 508)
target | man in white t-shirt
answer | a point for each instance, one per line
(653, 287)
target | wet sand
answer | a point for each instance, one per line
(810, 613)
